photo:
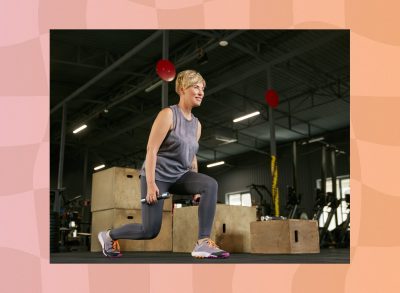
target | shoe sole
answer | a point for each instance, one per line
(207, 255)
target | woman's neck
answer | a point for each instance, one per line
(186, 110)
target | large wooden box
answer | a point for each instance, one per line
(118, 188)
(284, 236)
(114, 218)
(231, 228)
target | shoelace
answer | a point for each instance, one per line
(212, 243)
(115, 246)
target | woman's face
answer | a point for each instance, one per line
(194, 94)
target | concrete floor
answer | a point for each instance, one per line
(327, 256)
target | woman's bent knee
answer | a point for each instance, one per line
(212, 184)
(151, 234)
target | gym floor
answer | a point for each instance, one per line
(326, 256)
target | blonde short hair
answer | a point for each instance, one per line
(187, 78)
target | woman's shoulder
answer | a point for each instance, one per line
(165, 116)
(166, 112)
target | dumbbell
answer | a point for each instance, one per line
(164, 195)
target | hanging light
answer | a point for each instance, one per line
(80, 128)
(223, 43)
(247, 116)
(215, 164)
(99, 167)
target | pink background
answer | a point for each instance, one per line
(24, 149)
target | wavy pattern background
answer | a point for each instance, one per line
(24, 144)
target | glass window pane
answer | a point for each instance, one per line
(246, 199)
(328, 185)
(345, 187)
(234, 199)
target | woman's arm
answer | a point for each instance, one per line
(194, 162)
(159, 130)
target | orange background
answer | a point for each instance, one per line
(24, 145)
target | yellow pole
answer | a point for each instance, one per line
(275, 191)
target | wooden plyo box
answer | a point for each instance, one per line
(118, 188)
(231, 228)
(284, 236)
(114, 218)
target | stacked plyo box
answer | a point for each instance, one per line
(116, 201)
(231, 228)
(284, 236)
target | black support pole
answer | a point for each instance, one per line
(164, 97)
(323, 171)
(334, 179)
(62, 148)
(294, 150)
(274, 160)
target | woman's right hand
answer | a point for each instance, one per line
(152, 192)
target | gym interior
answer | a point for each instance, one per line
(275, 135)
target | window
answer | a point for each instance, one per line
(242, 198)
(342, 188)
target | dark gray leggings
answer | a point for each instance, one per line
(189, 184)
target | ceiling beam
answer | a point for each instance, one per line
(109, 69)
(229, 81)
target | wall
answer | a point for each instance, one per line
(254, 168)
(243, 170)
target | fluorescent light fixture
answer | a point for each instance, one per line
(99, 167)
(80, 128)
(316, 139)
(153, 86)
(225, 140)
(246, 116)
(313, 140)
(215, 164)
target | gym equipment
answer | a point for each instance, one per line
(118, 188)
(272, 100)
(293, 202)
(165, 195)
(165, 70)
(56, 197)
(264, 208)
(343, 231)
(333, 204)
(268, 218)
(293, 198)
(65, 221)
(320, 202)
(303, 216)
(231, 229)
(328, 199)
(54, 231)
(284, 236)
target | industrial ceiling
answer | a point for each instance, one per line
(107, 80)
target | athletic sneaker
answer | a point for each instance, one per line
(208, 249)
(110, 246)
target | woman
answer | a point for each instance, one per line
(171, 166)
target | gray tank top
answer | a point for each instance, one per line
(176, 153)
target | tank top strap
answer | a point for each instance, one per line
(174, 109)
